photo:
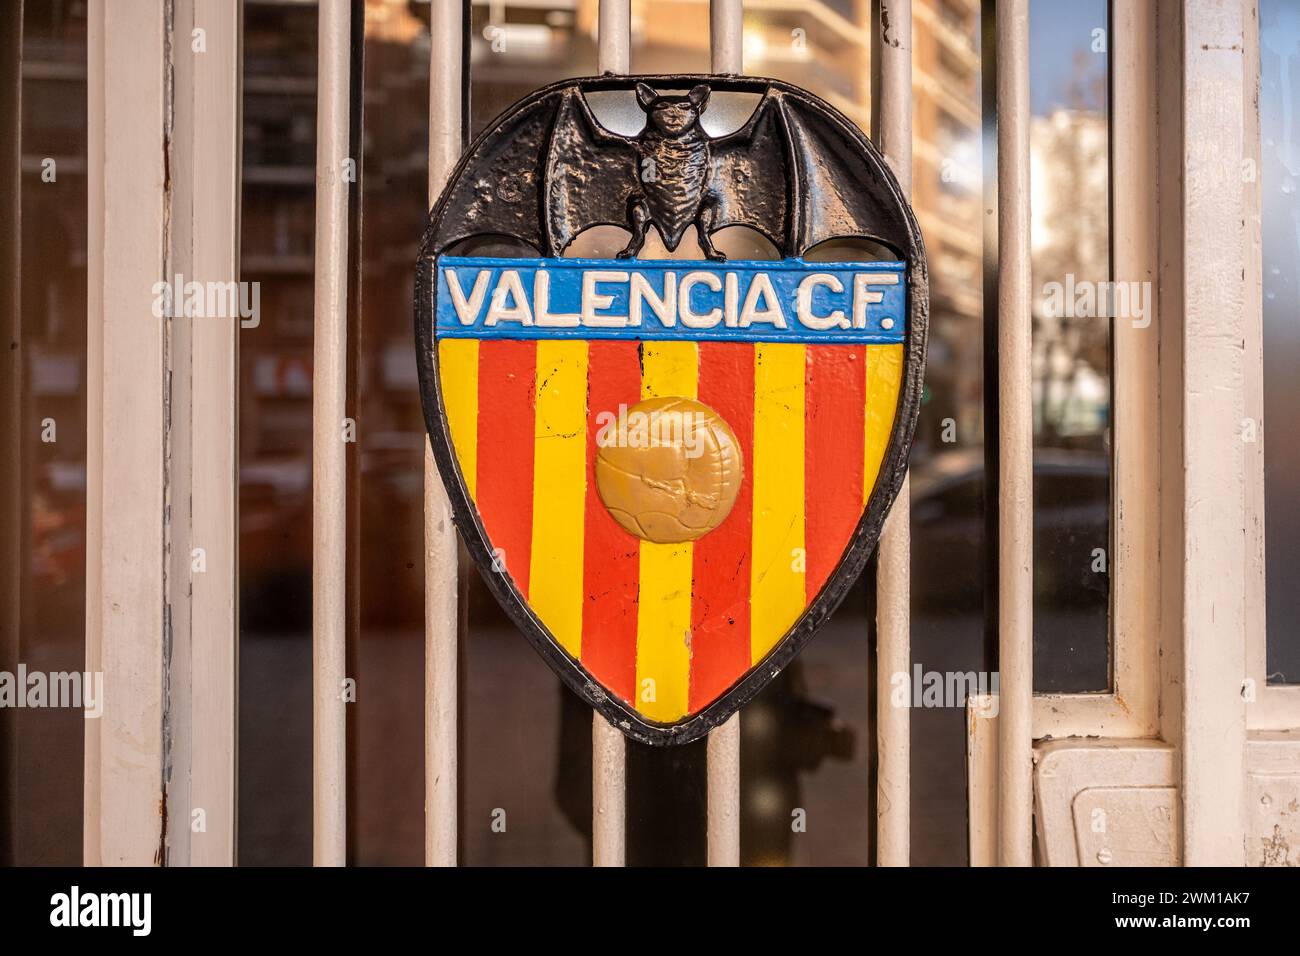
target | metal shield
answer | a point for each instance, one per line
(668, 566)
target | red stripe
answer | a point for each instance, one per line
(611, 556)
(835, 402)
(720, 593)
(506, 400)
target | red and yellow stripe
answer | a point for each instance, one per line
(668, 628)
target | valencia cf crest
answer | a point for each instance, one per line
(669, 471)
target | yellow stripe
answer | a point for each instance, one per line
(670, 369)
(555, 579)
(884, 378)
(458, 366)
(663, 652)
(777, 570)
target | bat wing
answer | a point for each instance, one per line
(801, 174)
(548, 170)
(847, 189)
(590, 175)
(509, 201)
(751, 174)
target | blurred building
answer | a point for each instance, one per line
(1069, 171)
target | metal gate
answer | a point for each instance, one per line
(1190, 718)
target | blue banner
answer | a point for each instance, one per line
(786, 300)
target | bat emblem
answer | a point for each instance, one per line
(677, 190)
(670, 471)
(795, 172)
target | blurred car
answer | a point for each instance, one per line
(1071, 521)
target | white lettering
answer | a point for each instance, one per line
(498, 311)
(592, 300)
(864, 295)
(770, 313)
(690, 318)
(542, 298)
(664, 307)
(467, 309)
(803, 303)
(731, 300)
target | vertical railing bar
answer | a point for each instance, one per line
(446, 123)
(726, 44)
(726, 35)
(1217, 296)
(608, 793)
(203, 442)
(1256, 592)
(1134, 216)
(130, 200)
(614, 37)
(724, 793)
(91, 813)
(1016, 438)
(329, 389)
(608, 746)
(893, 575)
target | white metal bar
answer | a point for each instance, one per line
(726, 18)
(1016, 452)
(724, 793)
(203, 478)
(1135, 552)
(726, 39)
(440, 554)
(614, 37)
(608, 793)
(893, 576)
(982, 779)
(126, 466)
(1169, 320)
(608, 745)
(180, 470)
(91, 832)
(1214, 553)
(215, 382)
(1256, 594)
(329, 479)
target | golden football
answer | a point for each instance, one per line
(668, 469)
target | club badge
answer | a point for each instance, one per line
(669, 471)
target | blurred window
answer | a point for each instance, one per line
(1069, 145)
(41, 748)
(1279, 108)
